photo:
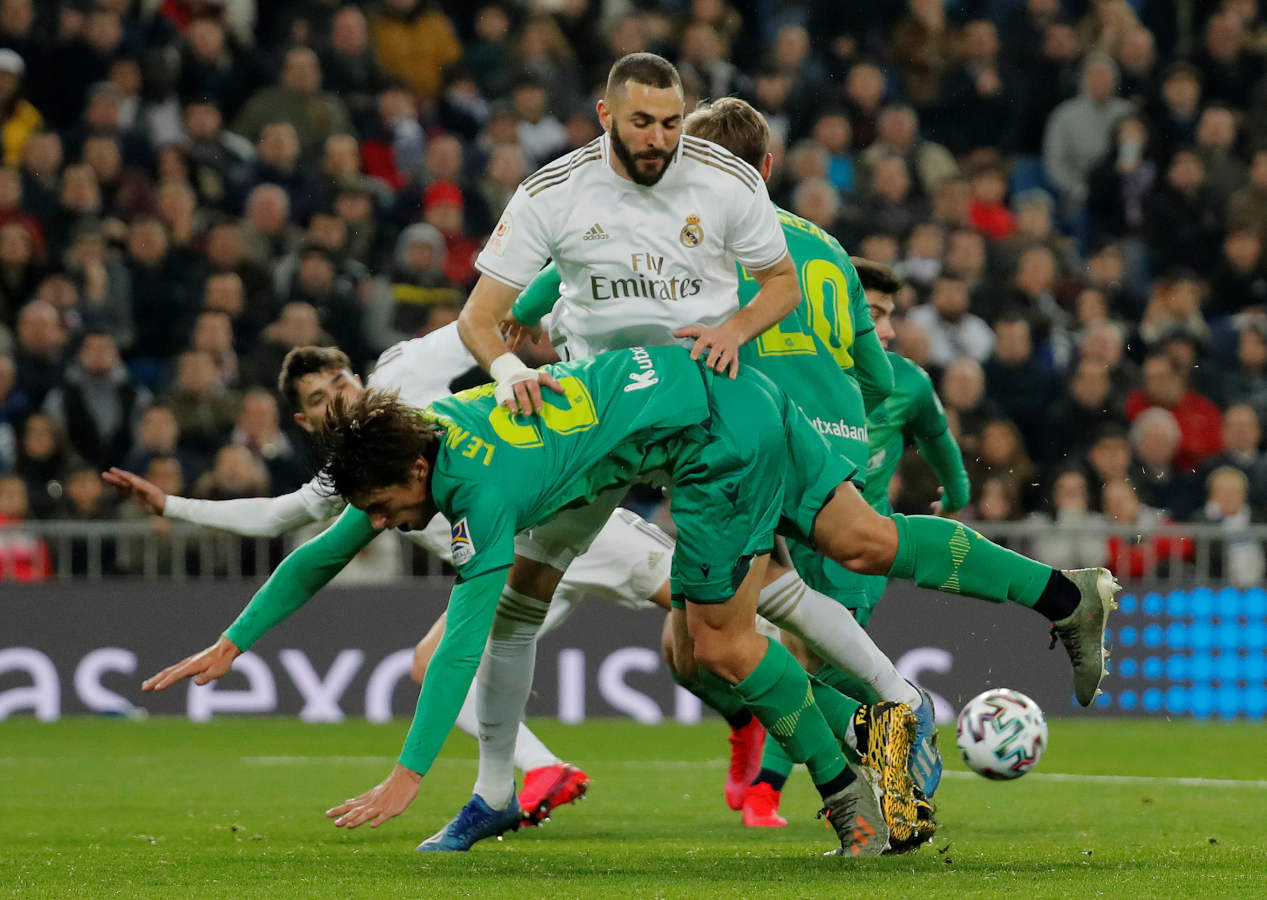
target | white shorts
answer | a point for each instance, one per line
(569, 534)
(626, 563)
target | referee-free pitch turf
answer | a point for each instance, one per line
(233, 808)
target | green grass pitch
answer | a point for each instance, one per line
(167, 808)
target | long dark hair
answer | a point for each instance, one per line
(372, 441)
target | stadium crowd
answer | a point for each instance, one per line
(1074, 193)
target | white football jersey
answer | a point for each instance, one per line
(422, 369)
(637, 262)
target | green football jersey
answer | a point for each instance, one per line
(498, 473)
(808, 353)
(913, 408)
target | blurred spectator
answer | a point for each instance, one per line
(1242, 440)
(205, 409)
(981, 103)
(158, 435)
(487, 51)
(864, 94)
(297, 98)
(962, 389)
(258, 429)
(1175, 110)
(42, 462)
(1239, 556)
(923, 49)
(351, 71)
(212, 71)
(1121, 183)
(1247, 208)
(20, 269)
(1002, 454)
(922, 262)
(1244, 379)
(988, 213)
(414, 42)
(832, 130)
(1228, 66)
(1183, 215)
(1076, 538)
(1051, 74)
(1138, 553)
(1239, 280)
(953, 332)
(392, 143)
(889, 203)
(1217, 140)
(1174, 307)
(1136, 57)
(443, 209)
(1078, 131)
(277, 162)
(703, 58)
(1088, 406)
(1197, 417)
(1023, 389)
(998, 500)
(23, 557)
(19, 119)
(213, 334)
(402, 304)
(1159, 481)
(542, 137)
(268, 230)
(163, 288)
(98, 404)
(897, 133)
(13, 410)
(41, 348)
(1109, 456)
(106, 300)
(217, 159)
(86, 501)
(505, 169)
(235, 474)
(297, 325)
(318, 282)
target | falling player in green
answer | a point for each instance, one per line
(609, 420)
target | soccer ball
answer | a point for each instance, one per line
(1001, 734)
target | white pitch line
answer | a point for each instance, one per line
(1164, 780)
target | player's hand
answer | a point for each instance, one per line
(203, 667)
(938, 506)
(146, 494)
(516, 334)
(524, 397)
(722, 344)
(389, 799)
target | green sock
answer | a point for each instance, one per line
(848, 684)
(714, 691)
(778, 693)
(946, 555)
(776, 765)
(838, 709)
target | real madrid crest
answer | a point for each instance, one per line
(692, 234)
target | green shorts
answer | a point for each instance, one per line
(727, 490)
(811, 475)
(859, 593)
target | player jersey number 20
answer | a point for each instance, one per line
(825, 287)
(578, 415)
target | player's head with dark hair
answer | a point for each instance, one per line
(642, 110)
(735, 125)
(310, 378)
(881, 285)
(379, 454)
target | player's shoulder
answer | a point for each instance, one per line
(441, 344)
(908, 373)
(812, 236)
(714, 163)
(563, 169)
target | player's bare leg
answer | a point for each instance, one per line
(945, 555)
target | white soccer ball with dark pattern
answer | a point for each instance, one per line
(1001, 734)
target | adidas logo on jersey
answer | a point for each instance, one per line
(596, 234)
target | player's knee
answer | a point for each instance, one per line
(865, 546)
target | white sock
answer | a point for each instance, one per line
(504, 682)
(530, 752)
(834, 635)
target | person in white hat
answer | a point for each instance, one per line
(18, 118)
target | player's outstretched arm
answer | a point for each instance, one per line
(468, 620)
(266, 517)
(292, 584)
(946, 459)
(780, 293)
(479, 325)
